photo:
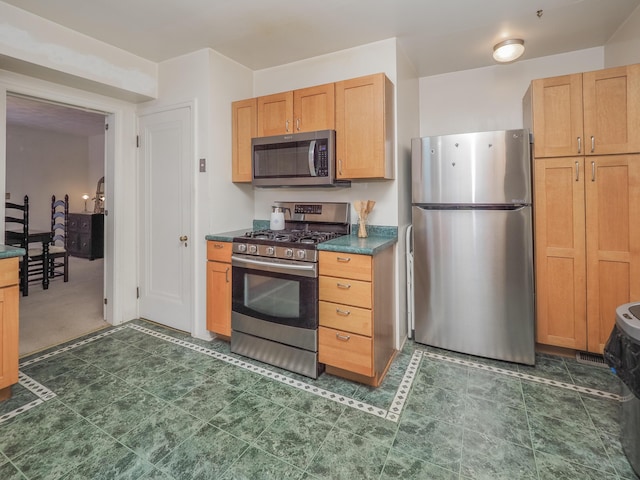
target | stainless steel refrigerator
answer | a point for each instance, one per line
(473, 244)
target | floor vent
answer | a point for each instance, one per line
(591, 359)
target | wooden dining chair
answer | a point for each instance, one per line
(58, 253)
(16, 220)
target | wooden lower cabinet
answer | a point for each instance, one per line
(219, 288)
(587, 246)
(355, 338)
(9, 314)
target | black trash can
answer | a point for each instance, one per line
(622, 353)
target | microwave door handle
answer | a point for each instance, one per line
(312, 163)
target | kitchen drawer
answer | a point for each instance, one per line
(219, 251)
(345, 291)
(345, 350)
(346, 265)
(346, 317)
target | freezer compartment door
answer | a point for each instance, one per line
(472, 168)
(473, 281)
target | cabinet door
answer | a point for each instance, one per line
(275, 114)
(557, 116)
(314, 108)
(612, 190)
(364, 127)
(244, 127)
(612, 110)
(560, 252)
(219, 298)
(9, 334)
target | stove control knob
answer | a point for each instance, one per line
(253, 249)
(242, 247)
(301, 254)
(288, 253)
(271, 250)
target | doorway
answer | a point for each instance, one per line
(55, 149)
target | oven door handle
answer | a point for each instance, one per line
(305, 269)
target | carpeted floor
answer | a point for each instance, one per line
(64, 311)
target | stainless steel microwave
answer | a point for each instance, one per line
(305, 159)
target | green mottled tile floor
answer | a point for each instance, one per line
(142, 402)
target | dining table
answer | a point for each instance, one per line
(44, 237)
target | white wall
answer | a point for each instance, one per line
(120, 250)
(209, 82)
(623, 48)
(407, 127)
(490, 98)
(37, 47)
(355, 62)
(42, 163)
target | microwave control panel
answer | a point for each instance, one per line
(322, 161)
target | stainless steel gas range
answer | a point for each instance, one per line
(274, 315)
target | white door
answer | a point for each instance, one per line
(165, 263)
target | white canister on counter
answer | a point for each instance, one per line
(277, 218)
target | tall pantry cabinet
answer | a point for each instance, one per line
(586, 131)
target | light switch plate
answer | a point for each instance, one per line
(203, 164)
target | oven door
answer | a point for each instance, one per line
(275, 291)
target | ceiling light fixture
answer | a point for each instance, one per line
(508, 50)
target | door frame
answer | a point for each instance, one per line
(119, 288)
(191, 250)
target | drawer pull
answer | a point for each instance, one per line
(343, 259)
(344, 286)
(218, 245)
(344, 313)
(343, 338)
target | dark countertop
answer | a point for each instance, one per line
(379, 239)
(353, 244)
(7, 251)
(227, 236)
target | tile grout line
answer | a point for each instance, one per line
(405, 386)
(342, 399)
(525, 376)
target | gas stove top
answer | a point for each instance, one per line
(306, 225)
(306, 237)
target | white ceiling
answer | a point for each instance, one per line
(438, 36)
(53, 117)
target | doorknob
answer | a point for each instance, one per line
(184, 238)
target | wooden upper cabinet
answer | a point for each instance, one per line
(244, 128)
(557, 116)
(612, 110)
(592, 113)
(314, 108)
(560, 252)
(303, 110)
(364, 127)
(612, 192)
(275, 114)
